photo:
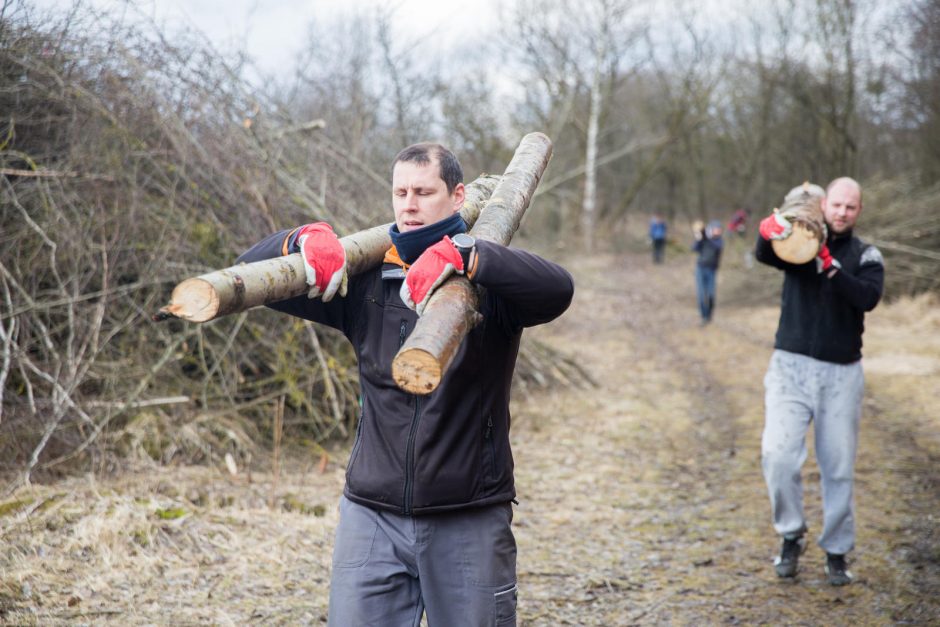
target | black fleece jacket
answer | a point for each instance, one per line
(450, 449)
(824, 317)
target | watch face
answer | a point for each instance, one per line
(462, 240)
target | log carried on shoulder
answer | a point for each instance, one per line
(802, 207)
(452, 310)
(247, 285)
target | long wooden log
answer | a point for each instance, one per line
(452, 310)
(248, 285)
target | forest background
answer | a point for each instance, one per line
(131, 159)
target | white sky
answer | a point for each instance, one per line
(273, 31)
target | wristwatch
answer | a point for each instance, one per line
(465, 246)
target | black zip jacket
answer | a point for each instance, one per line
(821, 317)
(709, 252)
(450, 449)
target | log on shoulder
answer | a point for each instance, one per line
(452, 310)
(247, 285)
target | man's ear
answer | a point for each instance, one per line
(460, 194)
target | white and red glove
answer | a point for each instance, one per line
(324, 260)
(826, 262)
(775, 226)
(431, 269)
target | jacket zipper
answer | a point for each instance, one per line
(488, 437)
(358, 443)
(410, 450)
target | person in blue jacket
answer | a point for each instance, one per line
(657, 234)
(425, 515)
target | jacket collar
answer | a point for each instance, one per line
(394, 268)
(392, 256)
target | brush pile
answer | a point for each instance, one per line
(129, 162)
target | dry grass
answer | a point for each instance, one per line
(171, 545)
(641, 500)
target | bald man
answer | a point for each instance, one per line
(815, 376)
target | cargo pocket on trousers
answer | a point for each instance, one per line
(355, 534)
(505, 602)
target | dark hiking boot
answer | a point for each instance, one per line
(836, 570)
(786, 563)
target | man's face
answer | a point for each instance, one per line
(841, 207)
(419, 195)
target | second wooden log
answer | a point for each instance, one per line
(452, 310)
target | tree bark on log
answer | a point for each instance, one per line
(452, 310)
(248, 285)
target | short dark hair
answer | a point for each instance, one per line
(450, 171)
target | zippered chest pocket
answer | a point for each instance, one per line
(387, 329)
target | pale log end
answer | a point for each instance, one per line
(800, 247)
(416, 371)
(195, 300)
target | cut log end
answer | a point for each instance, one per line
(416, 371)
(195, 300)
(800, 247)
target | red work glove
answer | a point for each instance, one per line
(324, 260)
(775, 226)
(825, 261)
(430, 270)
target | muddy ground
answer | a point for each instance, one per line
(641, 500)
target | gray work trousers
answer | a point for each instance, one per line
(388, 569)
(800, 390)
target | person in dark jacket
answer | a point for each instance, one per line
(815, 375)
(708, 244)
(426, 510)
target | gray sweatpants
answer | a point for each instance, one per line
(388, 569)
(800, 390)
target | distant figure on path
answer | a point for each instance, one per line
(815, 375)
(658, 237)
(708, 244)
(738, 222)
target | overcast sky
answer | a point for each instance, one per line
(272, 31)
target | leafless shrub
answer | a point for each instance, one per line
(128, 163)
(902, 220)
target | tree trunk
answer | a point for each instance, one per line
(452, 310)
(589, 205)
(248, 285)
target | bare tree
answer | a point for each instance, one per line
(577, 56)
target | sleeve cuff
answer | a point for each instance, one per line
(290, 242)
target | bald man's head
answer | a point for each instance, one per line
(842, 204)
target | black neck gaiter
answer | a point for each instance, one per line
(411, 244)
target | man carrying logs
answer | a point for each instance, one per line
(426, 510)
(815, 372)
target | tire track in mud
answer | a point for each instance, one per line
(659, 342)
(666, 326)
(678, 439)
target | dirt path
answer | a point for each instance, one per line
(641, 501)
